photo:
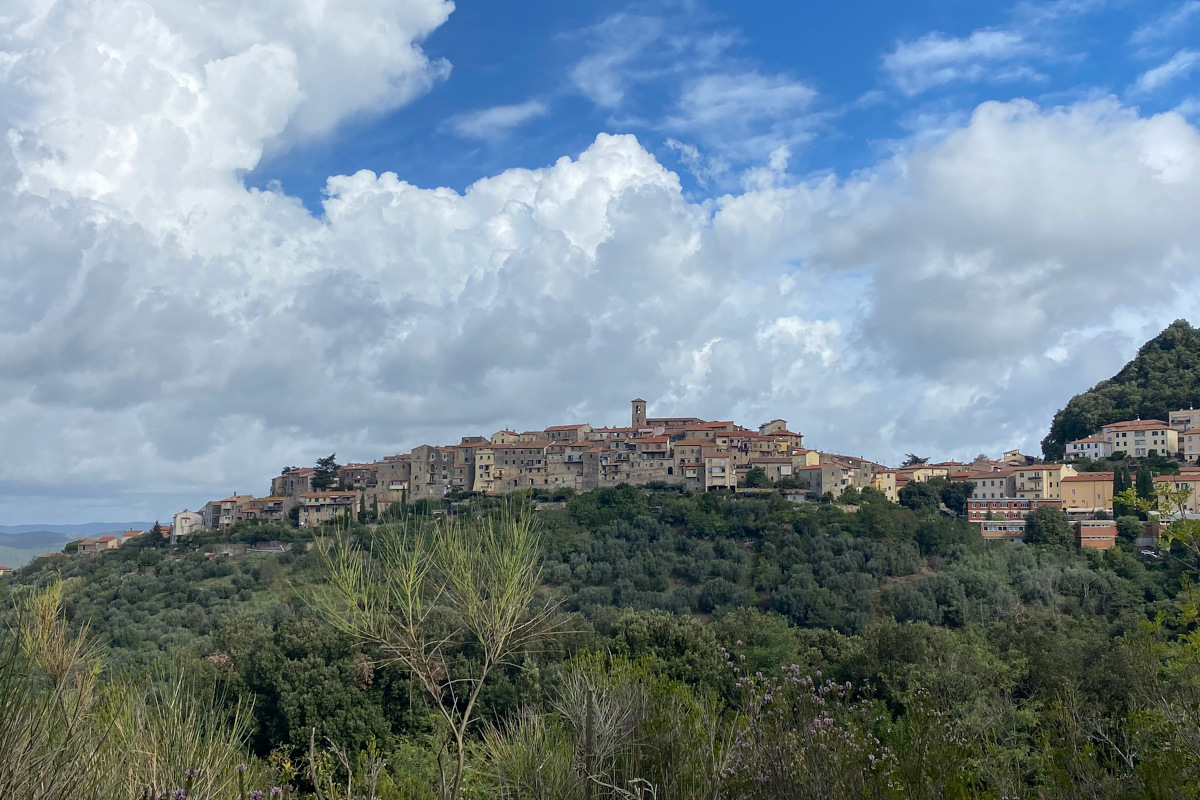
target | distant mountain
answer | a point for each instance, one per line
(20, 544)
(18, 549)
(84, 529)
(1163, 377)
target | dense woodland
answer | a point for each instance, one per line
(686, 646)
(1163, 377)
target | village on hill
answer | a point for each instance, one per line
(697, 455)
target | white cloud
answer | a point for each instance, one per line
(1167, 24)
(168, 335)
(936, 59)
(604, 74)
(1178, 66)
(740, 98)
(497, 122)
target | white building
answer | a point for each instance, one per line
(1089, 447)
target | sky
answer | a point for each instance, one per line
(236, 236)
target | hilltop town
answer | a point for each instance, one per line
(699, 455)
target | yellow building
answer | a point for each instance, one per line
(1092, 491)
(1189, 482)
(886, 482)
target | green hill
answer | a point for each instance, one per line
(956, 652)
(1164, 376)
(18, 549)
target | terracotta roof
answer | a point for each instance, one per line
(1087, 439)
(1084, 477)
(1191, 430)
(567, 427)
(1176, 478)
(107, 539)
(329, 494)
(1136, 424)
(637, 400)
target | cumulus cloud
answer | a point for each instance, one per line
(936, 59)
(1178, 66)
(167, 335)
(497, 122)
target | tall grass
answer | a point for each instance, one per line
(70, 732)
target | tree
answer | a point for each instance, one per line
(919, 496)
(1129, 528)
(756, 478)
(1049, 525)
(1145, 482)
(955, 495)
(912, 460)
(325, 473)
(1163, 377)
(449, 603)
(1122, 485)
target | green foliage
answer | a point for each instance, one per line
(1145, 482)
(1129, 528)
(1049, 525)
(1164, 376)
(975, 668)
(325, 473)
(955, 494)
(756, 478)
(920, 496)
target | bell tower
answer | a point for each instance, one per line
(639, 413)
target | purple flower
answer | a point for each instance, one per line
(256, 794)
(276, 791)
(179, 794)
(191, 773)
(241, 768)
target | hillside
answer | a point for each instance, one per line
(18, 549)
(940, 633)
(1164, 376)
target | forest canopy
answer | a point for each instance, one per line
(1164, 376)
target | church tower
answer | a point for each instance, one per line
(639, 413)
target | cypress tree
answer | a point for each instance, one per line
(1145, 482)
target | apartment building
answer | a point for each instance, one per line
(1189, 445)
(1187, 482)
(185, 523)
(831, 477)
(567, 433)
(219, 515)
(362, 477)
(1184, 420)
(265, 509)
(318, 508)
(1140, 438)
(1088, 491)
(1089, 447)
(885, 481)
(432, 472)
(292, 482)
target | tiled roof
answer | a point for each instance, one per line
(1084, 477)
(1136, 424)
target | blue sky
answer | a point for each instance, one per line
(240, 237)
(880, 74)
